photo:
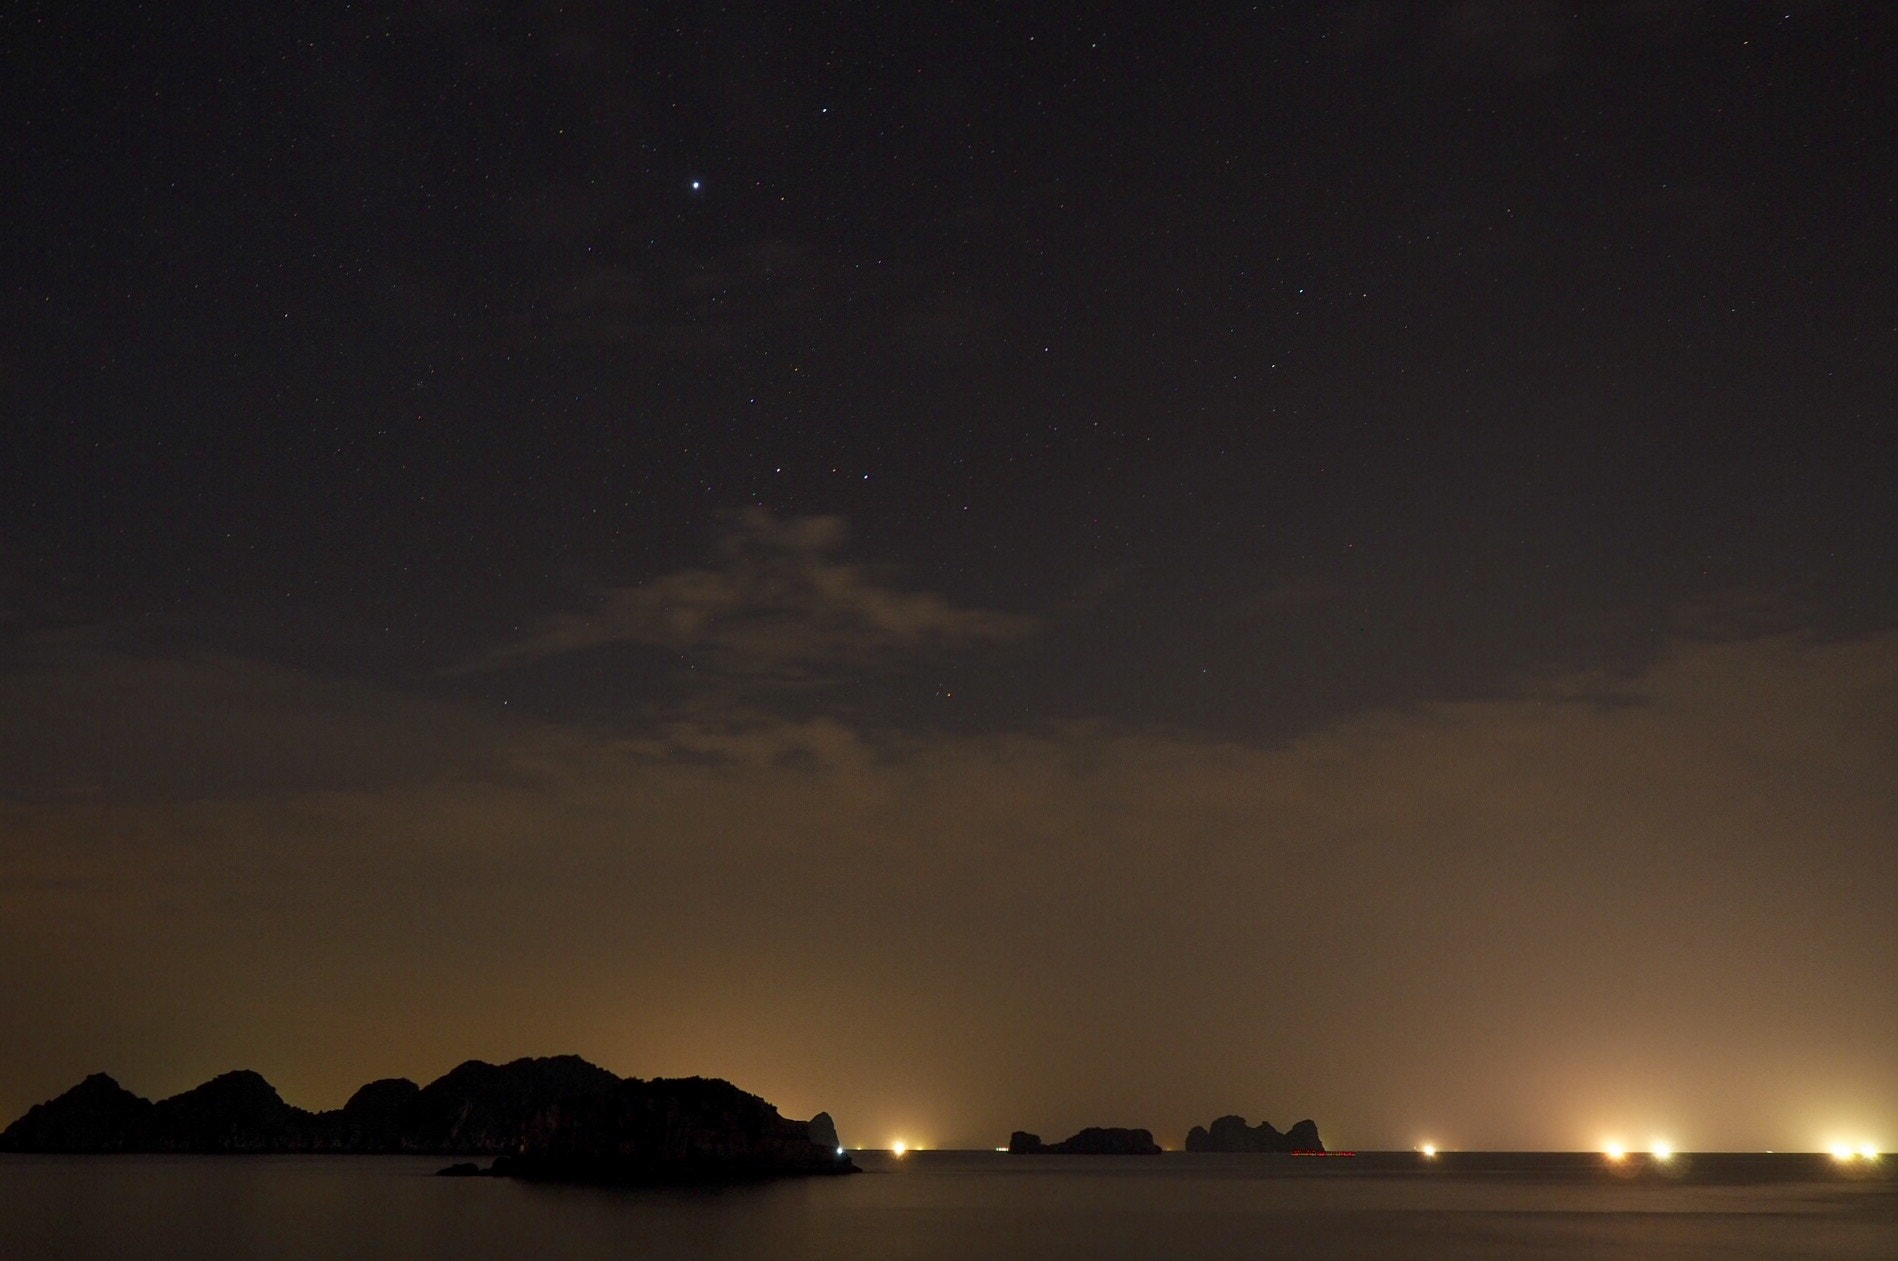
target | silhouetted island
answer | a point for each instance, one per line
(1092, 1141)
(1231, 1134)
(556, 1119)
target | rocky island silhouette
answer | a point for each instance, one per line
(1095, 1140)
(1232, 1134)
(557, 1118)
(1227, 1134)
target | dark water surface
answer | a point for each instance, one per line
(962, 1205)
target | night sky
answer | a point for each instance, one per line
(976, 567)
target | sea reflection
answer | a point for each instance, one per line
(931, 1204)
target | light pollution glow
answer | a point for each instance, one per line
(619, 896)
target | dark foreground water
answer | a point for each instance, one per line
(980, 1205)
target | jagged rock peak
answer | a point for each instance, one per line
(96, 1115)
(385, 1094)
(1232, 1134)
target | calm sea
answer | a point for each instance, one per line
(959, 1205)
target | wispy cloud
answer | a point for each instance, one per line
(779, 604)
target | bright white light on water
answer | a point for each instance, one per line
(1843, 1152)
(1429, 1150)
(1613, 1151)
(840, 1149)
(898, 1147)
(1662, 1150)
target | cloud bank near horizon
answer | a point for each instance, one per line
(1512, 922)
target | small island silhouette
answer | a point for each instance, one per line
(1232, 1134)
(1227, 1134)
(1095, 1140)
(557, 1118)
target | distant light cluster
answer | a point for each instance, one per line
(1845, 1152)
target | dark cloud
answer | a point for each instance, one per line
(1531, 40)
(1525, 39)
(680, 303)
(732, 299)
(90, 723)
